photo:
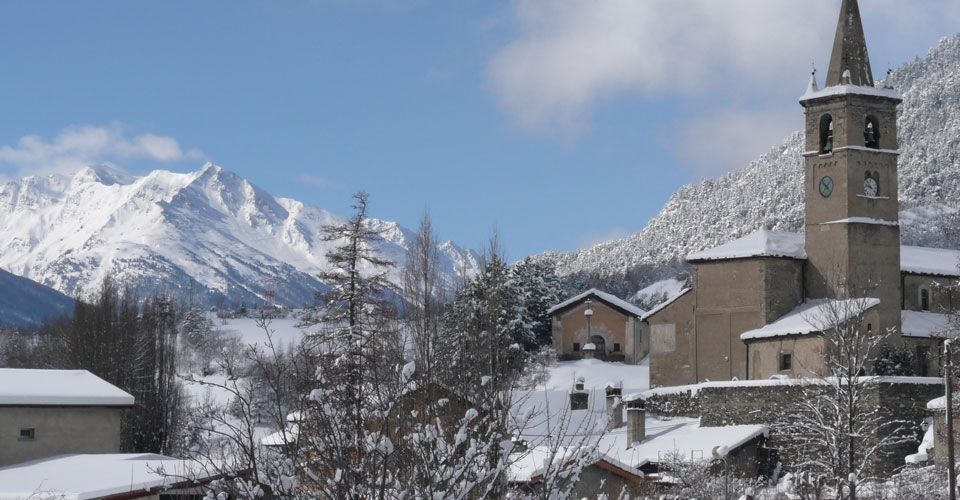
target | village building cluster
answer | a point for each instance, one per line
(732, 346)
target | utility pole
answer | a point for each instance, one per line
(948, 383)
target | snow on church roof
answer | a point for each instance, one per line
(766, 243)
(811, 317)
(936, 261)
(604, 296)
(837, 90)
(763, 243)
(58, 388)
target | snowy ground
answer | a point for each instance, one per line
(284, 330)
(597, 374)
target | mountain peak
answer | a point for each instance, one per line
(102, 174)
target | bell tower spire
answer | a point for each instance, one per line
(850, 50)
(851, 183)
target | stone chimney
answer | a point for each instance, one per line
(636, 422)
(579, 397)
(614, 405)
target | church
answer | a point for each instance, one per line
(749, 314)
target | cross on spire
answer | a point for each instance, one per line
(850, 49)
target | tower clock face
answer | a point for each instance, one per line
(870, 187)
(826, 187)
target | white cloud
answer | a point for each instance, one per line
(568, 55)
(712, 56)
(318, 181)
(82, 145)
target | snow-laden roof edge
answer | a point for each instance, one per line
(762, 243)
(838, 90)
(23, 387)
(931, 261)
(603, 296)
(663, 305)
(811, 317)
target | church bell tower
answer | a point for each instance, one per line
(852, 208)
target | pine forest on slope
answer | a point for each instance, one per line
(769, 192)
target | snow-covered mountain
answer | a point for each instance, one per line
(210, 233)
(769, 193)
(27, 303)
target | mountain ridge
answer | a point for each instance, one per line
(209, 234)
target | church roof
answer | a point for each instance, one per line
(813, 316)
(766, 243)
(850, 49)
(763, 243)
(932, 261)
(610, 300)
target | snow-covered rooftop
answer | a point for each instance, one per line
(766, 243)
(603, 296)
(85, 477)
(924, 324)
(812, 317)
(836, 90)
(936, 261)
(763, 243)
(58, 388)
(685, 437)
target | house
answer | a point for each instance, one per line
(752, 310)
(599, 325)
(637, 454)
(45, 413)
(103, 476)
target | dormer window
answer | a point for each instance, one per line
(826, 134)
(871, 133)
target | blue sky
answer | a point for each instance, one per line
(558, 122)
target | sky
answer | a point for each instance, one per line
(556, 123)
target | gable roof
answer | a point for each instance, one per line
(763, 243)
(20, 387)
(611, 300)
(667, 303)
(811, 317)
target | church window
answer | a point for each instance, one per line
(924, 299)
(871, 133)
(576, 347)
(826, 134)
(786, 362)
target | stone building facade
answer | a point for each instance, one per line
(599, 325)
(743, 317)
